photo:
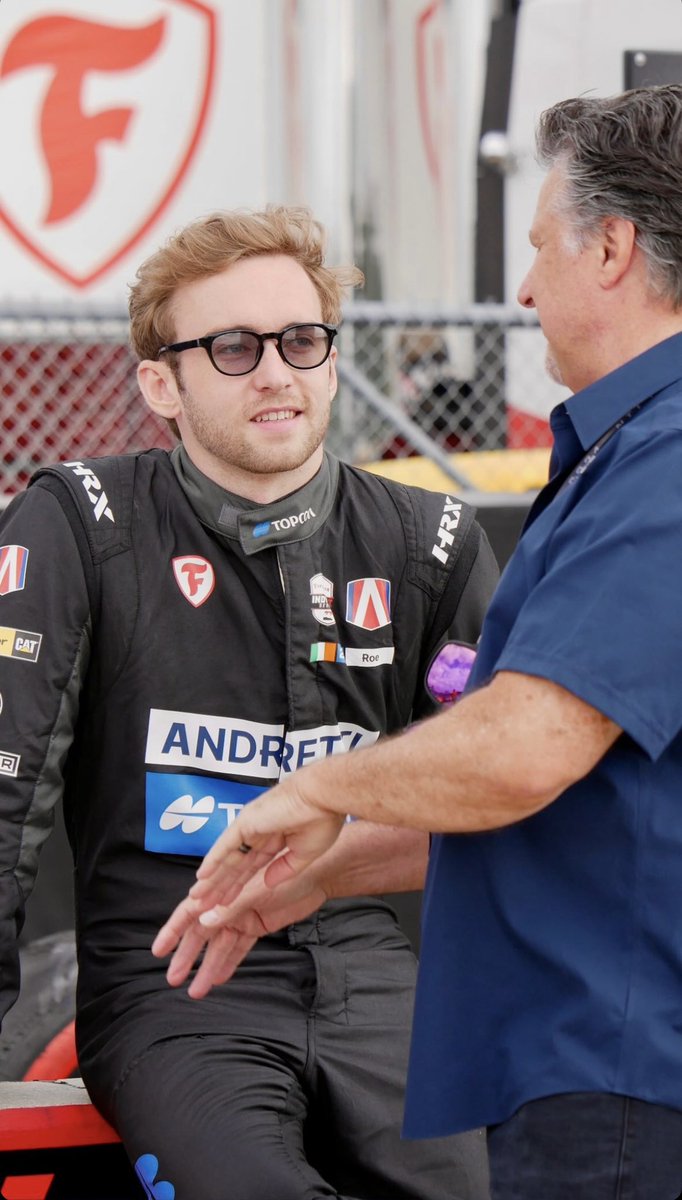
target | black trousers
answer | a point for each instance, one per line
(300, 1097)
(587, 1146)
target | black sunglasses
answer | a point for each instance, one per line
(238, 351)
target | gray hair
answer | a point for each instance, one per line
(622, 157)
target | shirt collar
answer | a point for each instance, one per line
(596, 408)
(257, 526)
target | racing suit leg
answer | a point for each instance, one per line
(223, 1116)
(359, 1042)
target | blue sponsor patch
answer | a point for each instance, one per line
(186, 813)
(261, 529)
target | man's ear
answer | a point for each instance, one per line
(333, 381)
(618, 248)
(159, 388)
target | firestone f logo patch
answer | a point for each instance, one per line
(13, 565)
(368, 603)
(195, 577)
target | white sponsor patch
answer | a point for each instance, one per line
(9, 763)
(231, 746)
(449, 522)
(321, 599)
(94, 490)
(369, 658)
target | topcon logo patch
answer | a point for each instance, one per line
(284, 523)
(95, 492)
(452, 512)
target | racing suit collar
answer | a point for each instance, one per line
(292, 518)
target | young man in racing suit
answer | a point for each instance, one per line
(178, 631)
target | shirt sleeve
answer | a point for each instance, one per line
(605, 619)
(44, 650)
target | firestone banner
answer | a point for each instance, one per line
(109, 136)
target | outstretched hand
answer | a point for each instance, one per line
(226, 933)
(270, 845)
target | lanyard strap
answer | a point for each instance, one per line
(590, 455)
(557, 484)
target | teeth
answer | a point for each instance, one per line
(283, 415)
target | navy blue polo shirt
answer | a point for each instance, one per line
(551, 955)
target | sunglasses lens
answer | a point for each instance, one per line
(447, 676)
(235, 353)
(305, 345)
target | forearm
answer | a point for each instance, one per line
(368, 859)
(498, 756)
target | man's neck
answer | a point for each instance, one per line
(259, 488)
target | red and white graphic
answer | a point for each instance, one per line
(368, 603)
(94, 119)
(13, 565)
(195, 577)
(430, 55)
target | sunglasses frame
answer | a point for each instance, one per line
(206, 343)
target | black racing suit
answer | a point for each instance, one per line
(167, 650)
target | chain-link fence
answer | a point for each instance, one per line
(410, 383)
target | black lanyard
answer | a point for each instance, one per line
(563, 480)
(590, 455)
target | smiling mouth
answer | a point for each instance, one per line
(284, 414)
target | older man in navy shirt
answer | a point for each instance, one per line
(550, 999)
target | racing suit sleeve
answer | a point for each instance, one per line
(462, 607)
(44, 651)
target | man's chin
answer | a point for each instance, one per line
(552, 368)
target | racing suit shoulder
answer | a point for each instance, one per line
(440, 530)
(102, 490)
(448, 560)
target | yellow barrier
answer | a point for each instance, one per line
(515, 471)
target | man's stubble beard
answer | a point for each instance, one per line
(552, 367)
(218, 442)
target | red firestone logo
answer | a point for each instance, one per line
(72, 59)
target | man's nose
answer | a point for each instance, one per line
(525, 295)
(272, 371)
